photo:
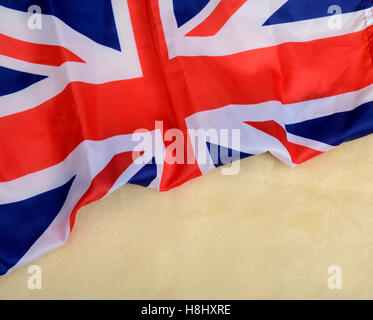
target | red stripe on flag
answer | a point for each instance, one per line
(36, 53)
(104, 181)
(298, 153)
(218, 18)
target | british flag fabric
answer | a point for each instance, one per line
(84, 83)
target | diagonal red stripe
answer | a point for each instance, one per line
(298, 153)
(104, 181)
(36, 53)
(218, 18)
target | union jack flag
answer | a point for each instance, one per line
(295, 77)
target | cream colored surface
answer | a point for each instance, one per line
(270, 232)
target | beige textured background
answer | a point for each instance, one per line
(270, 232)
